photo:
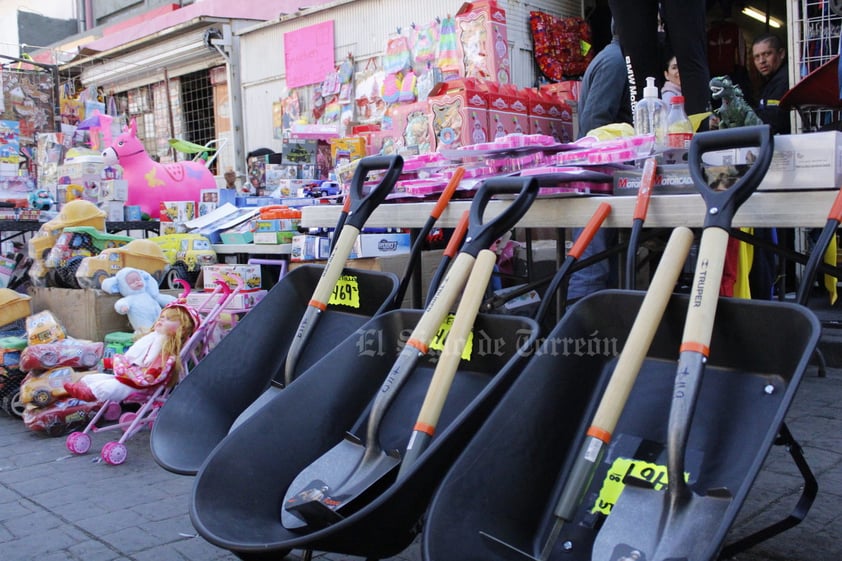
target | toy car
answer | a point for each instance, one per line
(41, 200)
(43, 327)
(74, 353)
(141, 254)
(73, 245)
(43, 389)
(187, 254)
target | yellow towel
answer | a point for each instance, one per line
(746, 257)
(830, 281)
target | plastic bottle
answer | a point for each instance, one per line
(650, 115)
(679, 128)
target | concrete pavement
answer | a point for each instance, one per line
(54, 506)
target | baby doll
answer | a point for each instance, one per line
(148, 362)
(141, 300)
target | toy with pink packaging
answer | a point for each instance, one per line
(151, 182)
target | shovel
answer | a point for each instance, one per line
(658, 525)
(359, 210)
(469, 306)
(614, 399)
(415, 254)
(641, 207)
(456, 239)
(349, 468)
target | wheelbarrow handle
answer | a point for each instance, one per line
(363, 205)
(480, 234)
(722, 205)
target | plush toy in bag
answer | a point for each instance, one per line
(142, 301)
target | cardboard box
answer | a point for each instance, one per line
(273, 238)
(114, 210)
(483, 41)
(250, 275)
(304, 248)
(669, 179)
(114, 190)
(379, 245)
(84, 313)
(240, 301)
(799, 162)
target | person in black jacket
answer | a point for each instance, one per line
(770, 61)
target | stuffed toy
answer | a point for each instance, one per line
(142, 302)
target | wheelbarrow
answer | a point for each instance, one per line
(258, 353)
(739, 406)
(509, 478)
(238, 505)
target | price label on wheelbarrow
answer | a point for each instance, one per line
(346, 292)
(612, 485)
(438, 341)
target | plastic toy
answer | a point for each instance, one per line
(74, 244)
(41, 200)
(139, 254)
(734, 111)
(43, 388)
(151, 182)
(11, 375)
(75, 353)
(187, 254)
(141, 302)
(73, 213)
(43, 327)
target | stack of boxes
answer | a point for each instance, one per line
(174, 214)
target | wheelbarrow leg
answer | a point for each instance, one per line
(802, 507)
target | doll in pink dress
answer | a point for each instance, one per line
(150, 361)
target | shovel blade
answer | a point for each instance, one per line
(334, 480)
(649, 525)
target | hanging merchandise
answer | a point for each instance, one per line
(331, 84)
(391, 89)
(448, 51)
(318, 103)
(427, 80)
(408, 88)
(424, 39)
(369, 103)
(398, 57)
(562, 45)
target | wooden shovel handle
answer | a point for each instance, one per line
(704, 292)
(334, 266)
(451, 355)
(641, 334)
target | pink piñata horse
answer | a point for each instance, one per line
(151, 182)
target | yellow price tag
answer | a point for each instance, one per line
(346, 292)
(613, 484)
(441, 335)
(585, 46)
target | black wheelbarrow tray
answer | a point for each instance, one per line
(239, 491)
(508, 479)
(204, 406)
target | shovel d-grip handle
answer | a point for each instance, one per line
(363, 205)
(722, 205)
(482, 234)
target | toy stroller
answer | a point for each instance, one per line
(152, 398)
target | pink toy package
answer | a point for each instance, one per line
(507, 110)
(460, 113)
(549, 115)
(483, 41)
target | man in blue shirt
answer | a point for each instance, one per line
(604, 98)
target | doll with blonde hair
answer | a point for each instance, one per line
(151, 360)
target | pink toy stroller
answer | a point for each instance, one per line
(153, 398)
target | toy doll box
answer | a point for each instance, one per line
(250, 275)
(460, 113)
(508, 112)
(483, 41)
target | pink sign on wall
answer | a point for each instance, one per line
(308, 54)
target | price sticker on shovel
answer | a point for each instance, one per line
(612, 485)
(346, 292)
(438, 341)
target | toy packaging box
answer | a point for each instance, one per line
(249, 274)
(550, 116)
(508, 112)
(460, 113)
(411, 127)
(483, 41)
